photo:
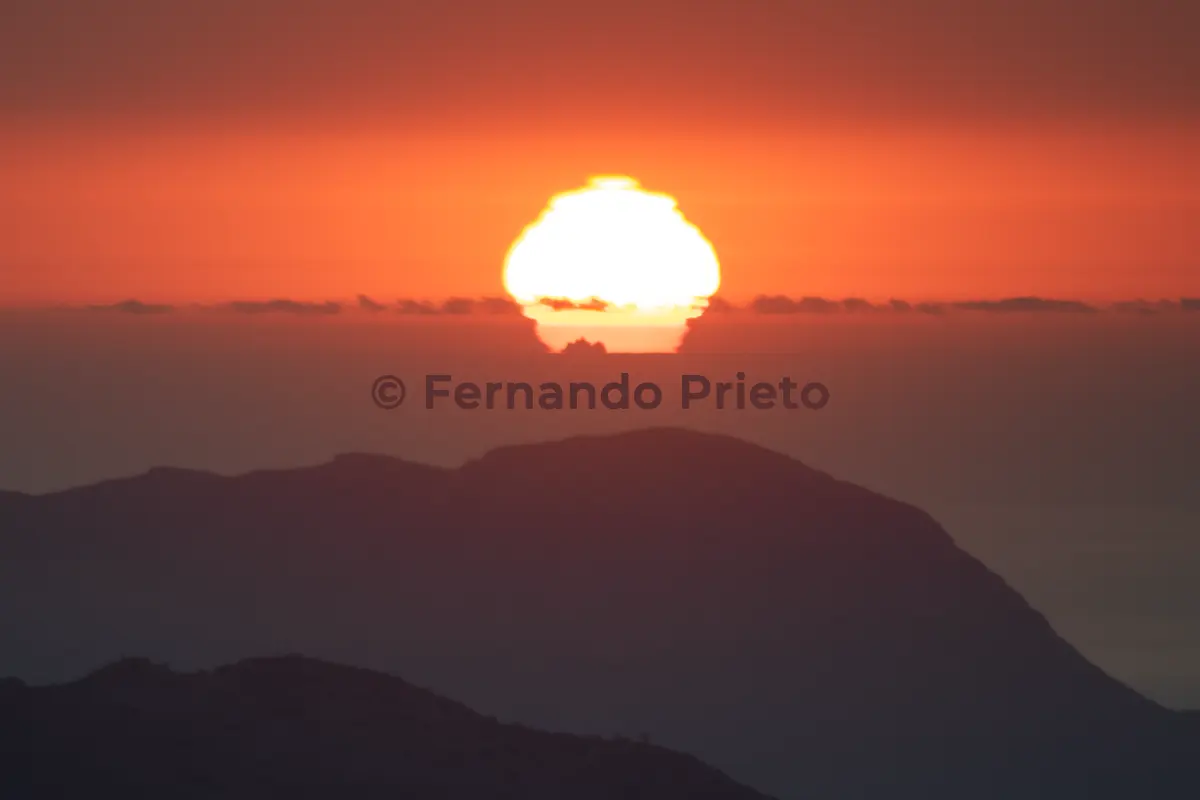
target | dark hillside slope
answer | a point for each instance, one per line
(296, 727)
(801, 633)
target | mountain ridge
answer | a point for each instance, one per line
(780, 623)
(309, 728)
(656, 435)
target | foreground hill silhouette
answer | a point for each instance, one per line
(802, 634)
(295, 727)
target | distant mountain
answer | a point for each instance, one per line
(805, 635)
(295, 727)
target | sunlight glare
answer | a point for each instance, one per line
(628, 254)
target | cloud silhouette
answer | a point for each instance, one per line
(563, 304)
(763, 304)
(816, 305)
(773, 304)
(1022, 304)
(781, 304)
(858, 304)
(134, 307)
(498, 305)
(1143, 306)
(283, 306)
(458, 305)
(784, 305)
(367, 304)
(718, 305)
(416, 307)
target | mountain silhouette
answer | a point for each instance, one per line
(297, 727)
(802, 634)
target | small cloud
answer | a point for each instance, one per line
(718, 305)
(1144, 307)
(367, 304)
(816, 305)
(282, 306)
(773, 304)
(1190, 303)
(134, 307)
(415, 307)
(498, 305)
(1025, 304)
(857, 304)
(563, 304)
(780, 304)
(458, 306)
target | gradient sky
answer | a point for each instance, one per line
(216, 150)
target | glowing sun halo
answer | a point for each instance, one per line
(614, 264)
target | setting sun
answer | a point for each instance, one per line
(613, 264)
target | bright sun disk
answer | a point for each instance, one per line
(640, 268)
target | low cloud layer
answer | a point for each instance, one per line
(281, 306)
(782, 305)
(134, 307)
(905, 307)
(467, 305)
(1147, 306)
(779, 304)
(767, 305)
(1026, 304)
(417, 307)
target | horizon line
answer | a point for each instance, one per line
(503, 305)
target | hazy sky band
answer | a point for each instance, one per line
(774, 61)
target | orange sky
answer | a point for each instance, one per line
(262, 149)
(926, 216)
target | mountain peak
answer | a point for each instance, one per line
(662, 449)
